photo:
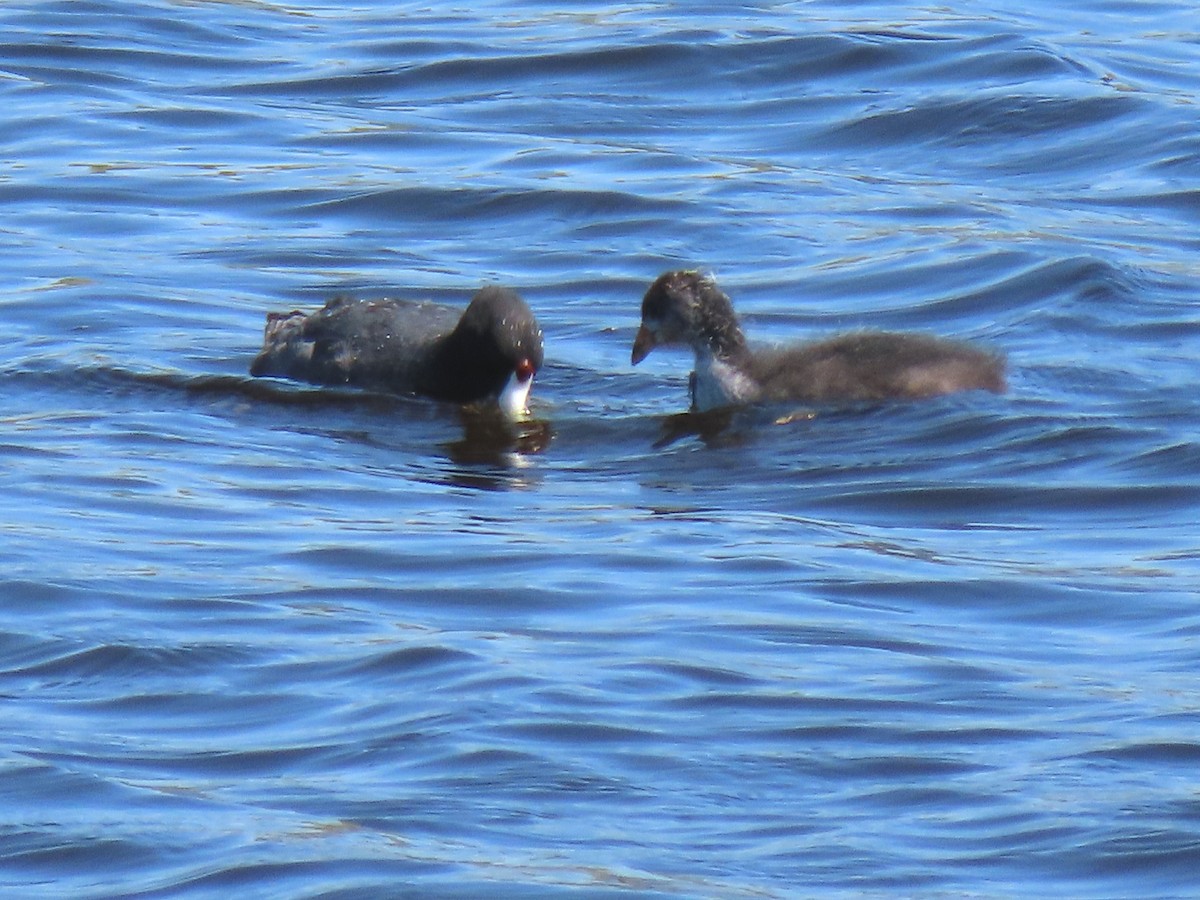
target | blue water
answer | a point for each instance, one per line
(264, 640)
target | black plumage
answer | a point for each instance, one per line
(491, 350)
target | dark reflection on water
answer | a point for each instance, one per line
(492, 451)
(712, 426)
(262, 638)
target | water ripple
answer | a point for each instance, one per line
(274, 640)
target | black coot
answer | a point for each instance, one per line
(491, 351)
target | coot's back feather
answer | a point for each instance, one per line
(875, 365)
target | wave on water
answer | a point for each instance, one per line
(271, 639)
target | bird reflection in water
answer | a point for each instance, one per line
(727, 426)
(494, 452)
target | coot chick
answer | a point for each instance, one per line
(688, 308)
(491, 352)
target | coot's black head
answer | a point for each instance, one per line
(687, 307)
(494, 351)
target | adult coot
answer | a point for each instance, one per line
(688, 308)
(491, 351)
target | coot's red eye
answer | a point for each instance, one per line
(524, 370)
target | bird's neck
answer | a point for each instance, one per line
(718, 331)
(721, 380)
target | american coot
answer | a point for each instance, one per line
(407, 347)
(688, 308)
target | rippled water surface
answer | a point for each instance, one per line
(264, 640)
